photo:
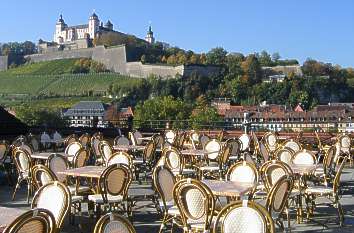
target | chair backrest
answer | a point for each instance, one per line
(113, 223)
(170, 136)
(27, 148)
(203, 140)
(213, 148)
(271, 141)
(35, 220)
(164, 181)
(73, 148)
(4, 149)
(58, 163)
(336, 181)
(243, 171)
(80, 158)
(121, 141)
(85, 140)
(345, 143)
(272, 171)
(236, 146)
(56, 198)
(278, 195)
(262, 150)
(328, 159)
(41, 175)
(95, 141)
(304, 157)
(149, 152)
(292, 144)
(70, 139)
(105, 150)
(173, 159)
(284, 154)
(246, 140)
(251, 217)
(180, 139)
(225, 153)
(22, 160)
(121, 157)
(158, 140)
(194, 138)
(221, 135)
(195, 202)
(33, 142)
(115, 181)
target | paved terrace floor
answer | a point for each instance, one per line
(147, 220)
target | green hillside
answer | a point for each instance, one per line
(59, 85)
(62, 66)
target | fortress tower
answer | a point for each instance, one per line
(150, 36)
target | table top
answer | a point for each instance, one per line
(228, 188)
(128, 147)
(87, 171)
(45, 155)
(8, 215)
(303, 169)
(194, 152)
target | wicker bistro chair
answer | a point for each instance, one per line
(293, 145)
(272, 171)
(113, 187)
(277, 200)
(121, 157)
(331, 193)
(33, 221)
(70, 139)
(243, 171)
(164, 181)
(23, 163)
(174, 160)
(263, 154)
(80, 158)
(72, 148)
(41, 175)
(148, 160)
(345, 146)
(26, 147)
(246, 142)
(85, 140)
(105, 151)
(170, 137)
(58, 163)
(196, 204)
(194, 138)
(56, 198)
(95, 141)
(326, 172)
(180, 140)
(203, 140)
(251, 217)
(235, 153)
(213, 148)
(284, 154)
(113, 223)
(271, 141)
(304, 157)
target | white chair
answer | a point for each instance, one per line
(304, 157)
(246, 140)
(113, 223)
(292, 144)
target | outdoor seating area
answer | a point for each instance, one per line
(178, 181)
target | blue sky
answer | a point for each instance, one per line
(320, 29)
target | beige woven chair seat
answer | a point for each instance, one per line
(97, 198)
(320, 190)
(81, 189)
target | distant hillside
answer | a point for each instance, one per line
(59, 85)
(63, 66)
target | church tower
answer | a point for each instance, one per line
(59, 27)
(94, 24)
(150, 36)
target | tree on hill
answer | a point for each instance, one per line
(203, 115)
(216, 56)
(252, 72)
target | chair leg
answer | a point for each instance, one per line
(29, 188)
(19, 180)
(288, 218)
(340, 213)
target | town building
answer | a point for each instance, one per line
(150, 36)
(86, 114)
(337, 118)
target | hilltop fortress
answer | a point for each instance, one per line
(77, 42)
